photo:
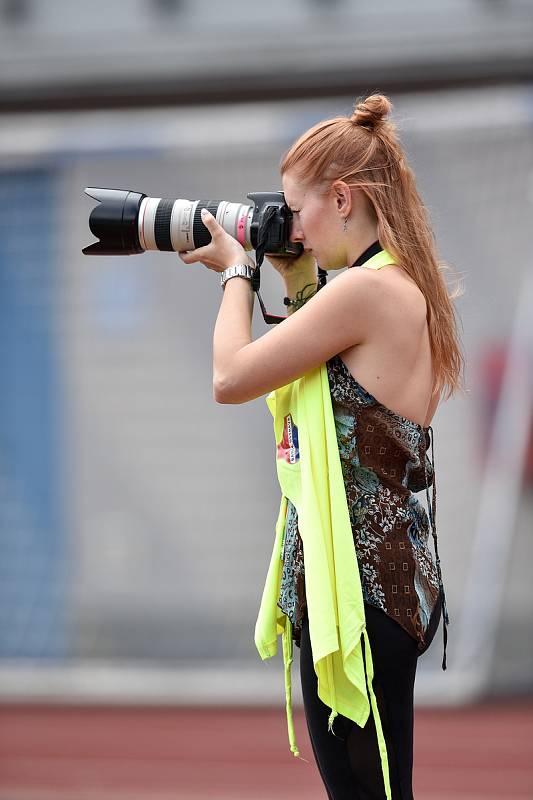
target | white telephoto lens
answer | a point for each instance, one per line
(177, 225)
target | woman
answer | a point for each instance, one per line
(386, 330)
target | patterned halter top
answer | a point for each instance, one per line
(384, 460)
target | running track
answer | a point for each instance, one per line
(137, 753)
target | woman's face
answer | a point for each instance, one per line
(316, 222)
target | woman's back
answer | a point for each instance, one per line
(394, 362)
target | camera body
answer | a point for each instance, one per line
(127, 222)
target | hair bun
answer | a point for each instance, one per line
(371, 112)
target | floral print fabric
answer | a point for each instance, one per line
(384, 462)
(292, 593)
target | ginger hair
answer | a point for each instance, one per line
(364, 151)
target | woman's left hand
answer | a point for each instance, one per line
(222, 251)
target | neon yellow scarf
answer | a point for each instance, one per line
(310, 476)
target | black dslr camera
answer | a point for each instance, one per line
(127, 222)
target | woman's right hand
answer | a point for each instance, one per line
(288, 267)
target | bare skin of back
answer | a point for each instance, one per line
(394, 362)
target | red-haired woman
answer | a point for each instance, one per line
(386, 328)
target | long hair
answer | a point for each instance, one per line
(364, 151)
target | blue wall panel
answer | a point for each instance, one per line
(32, 535)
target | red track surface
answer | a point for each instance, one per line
(96, 753)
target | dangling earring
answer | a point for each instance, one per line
(345, 225)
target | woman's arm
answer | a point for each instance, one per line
(245, 369)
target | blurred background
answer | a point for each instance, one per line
(136, 514)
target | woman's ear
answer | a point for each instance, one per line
(343, 198)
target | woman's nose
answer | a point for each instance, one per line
(296, 232)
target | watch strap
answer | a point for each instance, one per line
(237, 270)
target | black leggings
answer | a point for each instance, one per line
(349, 761)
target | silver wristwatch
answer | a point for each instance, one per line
(241, 270)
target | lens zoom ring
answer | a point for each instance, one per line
(162, 224)
(200, 233)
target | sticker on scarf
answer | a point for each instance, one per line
(288, 447)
